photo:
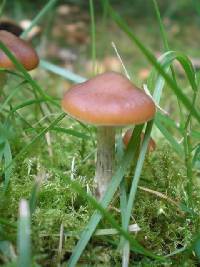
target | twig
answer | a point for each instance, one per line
(48, 139)
(61, 235)
(161, 195)
(120, 59)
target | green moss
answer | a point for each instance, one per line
(164, 226)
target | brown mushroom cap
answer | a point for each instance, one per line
(22, 50)
(127, 137)
(108, 99)
(11, 26)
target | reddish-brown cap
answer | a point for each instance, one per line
(11, 26)
(108, 99)
(22, 50)
(128, 134)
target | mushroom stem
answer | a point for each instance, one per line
(105, 158)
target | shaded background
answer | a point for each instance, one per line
(64, 37)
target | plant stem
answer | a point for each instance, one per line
(93, 36)
(2, 82)
(188, 156)
(105, 158)
(39, 16)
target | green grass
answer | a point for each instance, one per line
(48, 159)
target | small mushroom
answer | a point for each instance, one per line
(11, 26)
(127, 137)
(21, 49)
(108, 100)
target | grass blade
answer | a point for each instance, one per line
(176, 89)
(35, 139)
(33, 197)
(26, 75)
(133, 190)
(71, 132)
(93, 36)
(138, 171)
(62, 130)
(8, 160)
(174, 144)
(2, 6)
(24, 235)
(11, 95)
(171, 123)
(162, 30)
(123, 204)
(96, 217)
(102, 212)
(28, 103)
(167, 59)
(40, 15)
(62, 72)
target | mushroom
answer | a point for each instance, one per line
(108, 100)
(11, 26)
(127, 137)
(21, 49)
